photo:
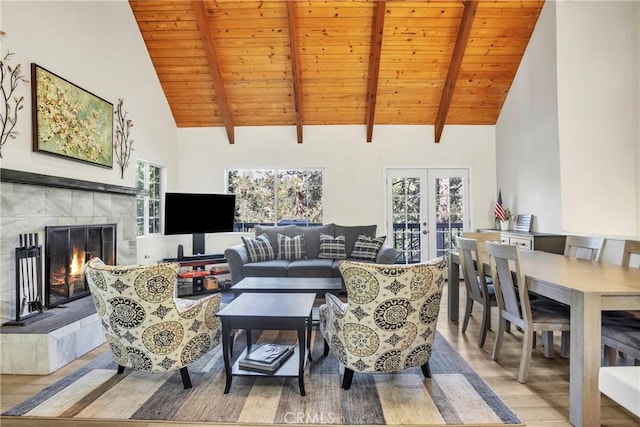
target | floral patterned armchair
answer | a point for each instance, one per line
(146, 326)
(389, 320)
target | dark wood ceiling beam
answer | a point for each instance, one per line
(295, 66)
(470, 8)
(374, 65)
(218, 83)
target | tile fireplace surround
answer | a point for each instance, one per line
(29, 202)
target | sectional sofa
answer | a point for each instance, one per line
(294, 251)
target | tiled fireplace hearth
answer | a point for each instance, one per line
(29, 203)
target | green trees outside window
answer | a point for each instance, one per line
(272, 196)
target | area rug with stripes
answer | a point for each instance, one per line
(454, 394)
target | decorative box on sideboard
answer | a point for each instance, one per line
(545, 242)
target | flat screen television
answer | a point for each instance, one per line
(197, 214)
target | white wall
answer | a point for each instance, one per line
(527, 154)
(567, 137)
(97, 46)
(353, 169)
(597, 46)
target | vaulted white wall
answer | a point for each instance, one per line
(598, 116)
(97, 46)
(527, 154)
(567, 138)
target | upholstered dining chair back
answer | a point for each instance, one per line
(582, 247)
(146, 327)
(389, 320)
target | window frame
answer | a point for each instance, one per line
(148, 197)
(240, 225)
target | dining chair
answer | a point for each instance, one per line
(515, 306)
(579, 247)
(481, 238)
(582, 247)
(477, 288)
(631, 247)
(621, 329)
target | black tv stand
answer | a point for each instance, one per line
(196, 281)
(215, 258)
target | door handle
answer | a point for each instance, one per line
(425, 231)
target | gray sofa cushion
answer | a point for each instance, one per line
(335, 268)
(273, 268)
(351, 233)
(310, 268)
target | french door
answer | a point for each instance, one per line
(426, 209)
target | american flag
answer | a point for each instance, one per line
(498, 211)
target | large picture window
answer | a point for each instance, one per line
(148, 206)
(276, 196)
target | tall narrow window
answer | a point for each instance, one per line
(148, 209)
(273, 196)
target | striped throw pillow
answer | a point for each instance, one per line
(291, 248)
(259, 249)
(366, 248)
(332, 247)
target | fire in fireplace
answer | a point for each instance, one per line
(67, 248)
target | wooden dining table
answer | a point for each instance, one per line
(588, 287)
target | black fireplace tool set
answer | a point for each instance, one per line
(28, 278)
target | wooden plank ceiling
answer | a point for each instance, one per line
(260, 63)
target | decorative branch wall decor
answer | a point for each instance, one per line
(10, 78)
(124, 143)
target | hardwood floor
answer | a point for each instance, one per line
(541, 402)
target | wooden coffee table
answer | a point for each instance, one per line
(270, 311)
(315, 285)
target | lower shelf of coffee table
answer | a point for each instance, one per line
(288, 369)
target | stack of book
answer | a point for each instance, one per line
(266, 358)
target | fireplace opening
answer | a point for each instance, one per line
(67, 248)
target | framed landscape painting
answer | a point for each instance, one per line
(70, 121)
